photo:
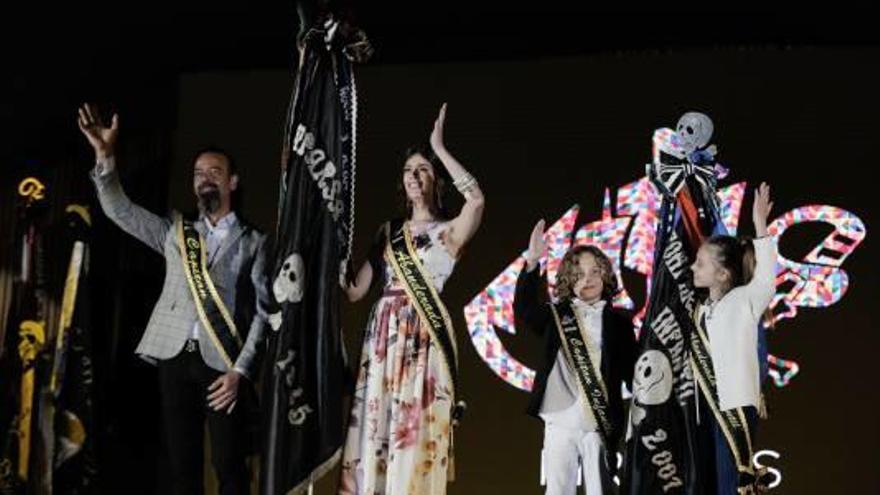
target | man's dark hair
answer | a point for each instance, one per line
(233, 168)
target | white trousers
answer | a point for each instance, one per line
(563, 448)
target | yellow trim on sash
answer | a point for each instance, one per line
(390, 255)
(444, 314)
(195, 292)
(591, 353)
(216, 295)
(716, 409)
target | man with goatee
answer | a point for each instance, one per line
(205, 330)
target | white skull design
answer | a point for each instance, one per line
(288, 285)
(652, 382)
(694, 129)
(275, 320)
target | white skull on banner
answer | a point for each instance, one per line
(288, 285)
(275, 320)
(652, 381)
(694, 130)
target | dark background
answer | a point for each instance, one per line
(548, 105)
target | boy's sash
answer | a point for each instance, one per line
(583, 358)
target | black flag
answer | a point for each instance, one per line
(664, 444)
(305, 369)
(72, 383)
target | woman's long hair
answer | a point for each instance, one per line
(436, 203)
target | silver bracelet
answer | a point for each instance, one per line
(466, 188)
(465, 183)
(465, 177)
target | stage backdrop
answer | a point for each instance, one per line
(544, 135)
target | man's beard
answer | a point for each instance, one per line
(209, 200)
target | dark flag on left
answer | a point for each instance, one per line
(48, 436)
(23, 360)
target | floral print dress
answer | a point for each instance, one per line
(399, 430)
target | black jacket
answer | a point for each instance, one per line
(618, 344)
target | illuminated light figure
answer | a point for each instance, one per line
(817, 281)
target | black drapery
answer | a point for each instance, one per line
(305, 369)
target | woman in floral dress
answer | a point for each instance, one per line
(398, 440)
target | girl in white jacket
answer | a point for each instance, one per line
(724, 349)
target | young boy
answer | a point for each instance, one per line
(590, 351)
